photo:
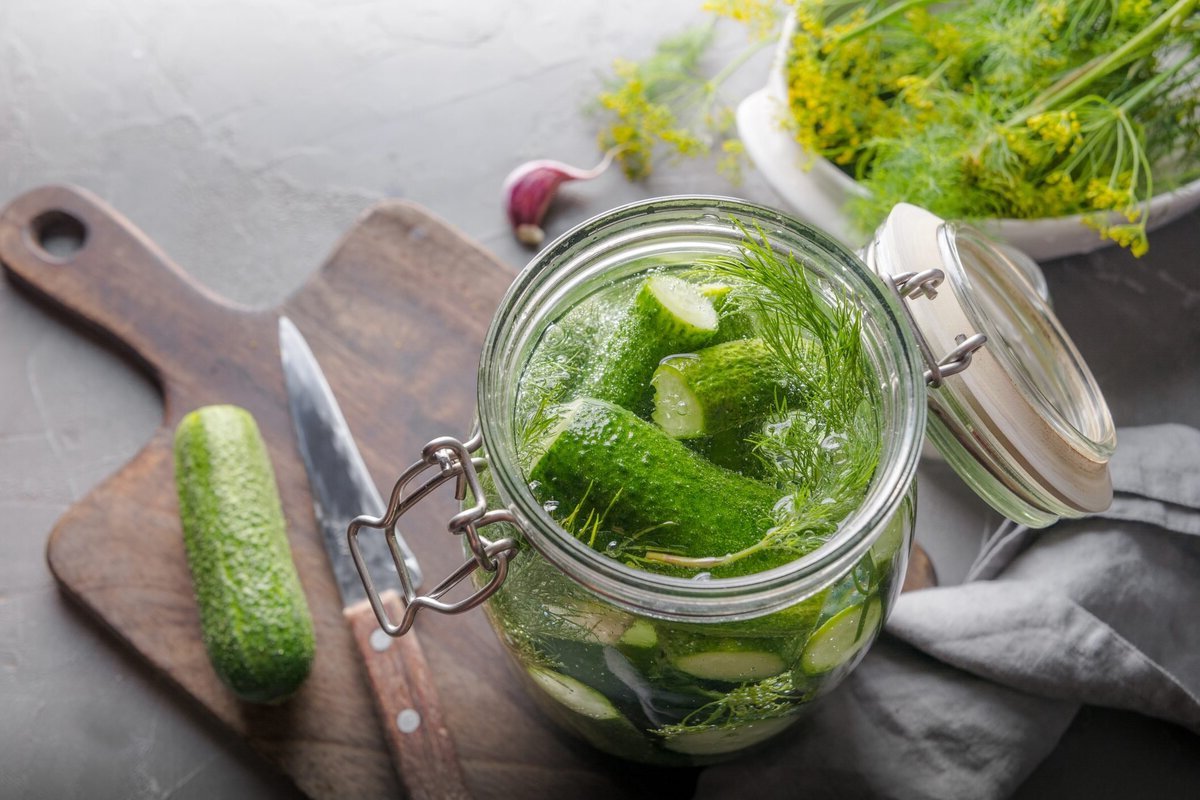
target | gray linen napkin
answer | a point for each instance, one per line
(971, 686)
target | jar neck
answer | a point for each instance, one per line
(628, 240)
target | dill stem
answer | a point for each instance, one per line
(881, 17)
(711, 86)
(736, 63)
(705, 562)
(1134, 98)
(1075, 82)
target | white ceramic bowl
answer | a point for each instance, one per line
(816, 191)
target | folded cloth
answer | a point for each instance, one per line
(971, 686)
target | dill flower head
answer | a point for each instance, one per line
(1006, 108)
(971, 108)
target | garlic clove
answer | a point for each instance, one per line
(530, 188)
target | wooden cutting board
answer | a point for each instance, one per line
(396, 317)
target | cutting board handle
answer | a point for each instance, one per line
(69, 247)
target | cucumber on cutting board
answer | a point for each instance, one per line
(253, 615)
(719, 388)
(667, 316)
(646, 484)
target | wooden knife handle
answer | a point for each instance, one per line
(407, 700)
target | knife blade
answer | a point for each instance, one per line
(342, 487)
(398, 674)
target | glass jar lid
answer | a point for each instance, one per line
(1020, 417)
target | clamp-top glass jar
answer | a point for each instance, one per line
(656, 654)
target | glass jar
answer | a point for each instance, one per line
(671, 670)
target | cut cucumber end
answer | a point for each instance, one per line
(684, 302)
(576, 696)
(640, 635)
(718, 293)
(841, 637)
(676, 409)
(731, 666)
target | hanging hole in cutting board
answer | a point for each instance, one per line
(57, 236)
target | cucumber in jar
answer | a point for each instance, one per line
(588, 713)
(766, 459)
(734, 320)
(668, 315)
(730, 661)
(719, 388)
(735, 449)
(842, 637)
(636, 480)
(717, 740)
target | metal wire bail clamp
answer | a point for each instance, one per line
(912, 285)
(453, 461)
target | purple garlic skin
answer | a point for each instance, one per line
(530, 188)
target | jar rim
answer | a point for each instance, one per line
(901, 377)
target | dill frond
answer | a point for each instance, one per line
(824, 455)
(768, 699)
(666, 106)
(991, 109)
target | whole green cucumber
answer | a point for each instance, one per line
(604, 459)
(253, 616)
(720, 387)
(668, 315)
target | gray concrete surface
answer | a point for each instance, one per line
(244, 137)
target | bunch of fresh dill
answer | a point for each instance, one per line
(994, 108)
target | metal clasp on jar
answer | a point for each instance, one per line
(452, 459)
(912, 285)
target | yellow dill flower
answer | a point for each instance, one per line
(1103, 196)
(760, 16)
(985, 109)
(809, 22)
(1054, 14)
(684, 142)
(1133, 12)
(1060, 196)
(912, 89)
(730, 163)
(1132, 237)
(1059, 128)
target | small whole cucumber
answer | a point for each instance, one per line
(719, 388)
(667, 316)
(254, 618)
(647, 485)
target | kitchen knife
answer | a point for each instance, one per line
(399, 676)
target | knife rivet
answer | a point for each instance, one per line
(379, 640)
(408, 720)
